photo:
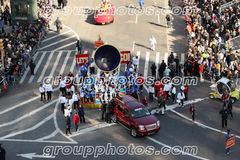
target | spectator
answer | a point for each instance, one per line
(81, 114)
(68, 125)
(76, 121)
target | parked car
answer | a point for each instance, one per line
(134, 116)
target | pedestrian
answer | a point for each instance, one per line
(161, 69)
(151, 92)
(32, 66)
(181, 97)
(91, 64)
(134, 95)
(157, 86)
(49, 91)
(67, 110)
(42, 92)
(108, 112)
(228, 136)
(1, 19)
(192, 111)
(173, 93)
(81, 114)
(153, 69)
(167, 89)
(135, 61)
(2, 152)
(186, 92)
(145, 101)
(103, 108)
(161, 103)
(167, 73)
(60, 4)
(225, 97)
(224, 113)
(152, 42)
(230, 107)
(140, 79)
(62, 100)
(75, 100)
(62, 87)
(201, 72)
(141, 3)
(68, 125)
(76, 121)
(79, 46)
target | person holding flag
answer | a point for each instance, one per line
(228, 136)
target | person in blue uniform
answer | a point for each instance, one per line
(228, 136)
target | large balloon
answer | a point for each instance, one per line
(204, 55)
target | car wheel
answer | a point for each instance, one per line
(211, 96)
(233, 100)
(114, 118)
(133, 132)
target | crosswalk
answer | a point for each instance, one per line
(50, 64)
(54, 63)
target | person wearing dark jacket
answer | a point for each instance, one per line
(103, 108)
(134, 95)
(81, 114)
(79, 46)
(108, 112)
(224, 112)
(153, 69)
(229, 107)
(68, 125)
(161, 69)
(2, 152)
(32, 66)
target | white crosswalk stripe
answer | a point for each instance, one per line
(55, 36)
(138, 54)
(157, 63)
(146, 65)
(166, 58)
(65, 63)
(45, 67)
(182, 58)
(37, 66)
(55, 64)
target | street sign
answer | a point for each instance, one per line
(82, 58)
(126, 56)
(230, 142)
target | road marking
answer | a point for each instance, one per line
(38, 65)
(45, 67)
(26, 72)
(146, 65)
(28, 114)
(55, 36)
(49, 136)
(182, 153)
(138, 54)
(136, 19)
(166, 58)
(72, 31)
(35, 141)
(90, 129)
(23, 103)
(183, 58)
(200, 124)
(52, 44)
(55, 64)
(55, 30)
(65, 62)
(133, 45)
(157, 63)
(29, 129)
(73, 65)
(33, 155)
(69, 44)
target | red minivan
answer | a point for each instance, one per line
(134, 116)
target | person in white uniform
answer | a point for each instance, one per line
(152, 42)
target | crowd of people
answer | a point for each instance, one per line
(19, 44)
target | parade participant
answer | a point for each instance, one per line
(42, 92)
(134, 95)
(225, 97)
(108, 112)
(58, 24)
(224, 113)
(186, 92)
(152, 42)
(67, 111)
(81, 114)
(49, 90)
(141, 80)
(91, 64)
(192, 111)
(135, 62)
(167, 89)
(62, 87)
(76, 121)
(68, 125)
(145, 101)
(181, 97)
(79, 46)
(75, 98)
(161, 103)
(151, 92)
(228, 136)
(173, 93)
(229, 107)
(62, 100)
(92, 95)
(141, 3)
(157, 86)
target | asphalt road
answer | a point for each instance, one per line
(30, 128)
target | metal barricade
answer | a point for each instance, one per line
(228, 5)
(234, 43)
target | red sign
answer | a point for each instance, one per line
(230, 142)
(126, 56)
(81, 58)
(98, 44)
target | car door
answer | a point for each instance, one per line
(119, 112)
(126, 117)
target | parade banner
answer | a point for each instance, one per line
(126, 56)
(230, 142)
(98, 44)
(81, 59)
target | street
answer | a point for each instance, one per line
(32, 129)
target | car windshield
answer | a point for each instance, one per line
(139, 112)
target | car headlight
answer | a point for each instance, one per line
(141, 127)
(158, 123)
